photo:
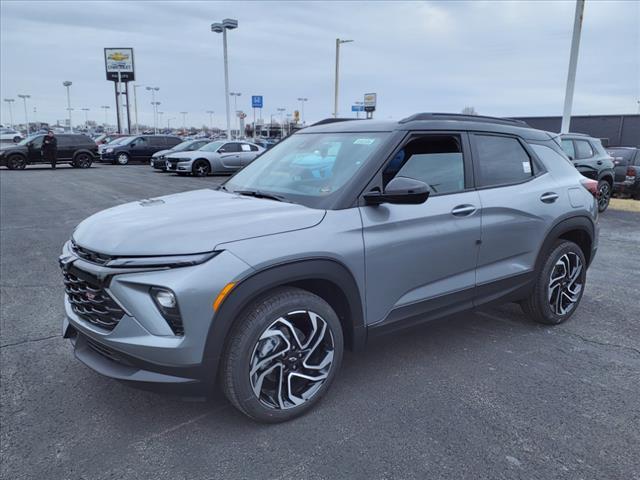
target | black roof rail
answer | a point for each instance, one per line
(577, 134)
(332, 120)
(464, 118)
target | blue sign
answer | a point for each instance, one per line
(357, 108)
(256, 101)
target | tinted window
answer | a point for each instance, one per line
(621, 157)
(567, 146)
(157, 142)
(501, 160)
(434, 160)
(253, 148)
(583, 149)
(232, 147)
(172, 141)
(66, 140)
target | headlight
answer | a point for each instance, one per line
(109, 150)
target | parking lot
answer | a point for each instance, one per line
(480, 395)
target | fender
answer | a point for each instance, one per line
(582, 223)
(261, 282)
(84, 150)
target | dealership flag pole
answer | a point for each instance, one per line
(573, 64)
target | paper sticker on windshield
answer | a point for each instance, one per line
(526, 166)
(364, 141)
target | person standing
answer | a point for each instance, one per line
(50, 148)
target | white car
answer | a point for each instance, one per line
(10, 135)
(214, 157)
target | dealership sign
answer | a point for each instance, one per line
(119, 60)
(256, 101)
(370, 102)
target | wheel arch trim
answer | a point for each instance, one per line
(563, 226)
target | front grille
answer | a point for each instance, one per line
(89, 255)
(91, 302)
(105, 351)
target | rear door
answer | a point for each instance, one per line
(247, 154)
(66, 147)
(230, 155)
(156, 143)
(518, 198)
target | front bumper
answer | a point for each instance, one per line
(142, 348)
(627, 187)
(173, 166)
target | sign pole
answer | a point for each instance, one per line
(115, 87)
(254, 124)
(126, 90)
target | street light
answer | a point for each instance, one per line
(105, 108)
(86, 117)
(135, 105)
(184, 120)
(153, 91)
(68, 84)
(160, 118)
(211, 112)
(302, 100)
(335, 100)
(169, 122)
(227, 24)
(281, 110)
(235, 96)
(10, 101)
(26, 116)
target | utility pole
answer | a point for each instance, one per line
(86, 117)
(573, 64)
(335, 99)
(106, 120)
(302, 100)
(226, 24)
(26, 116)
(211, 112)
(10, 101)
(68, 84)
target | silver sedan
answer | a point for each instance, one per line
(214, 157)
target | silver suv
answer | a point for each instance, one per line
(345, 230)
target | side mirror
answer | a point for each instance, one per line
(221, 150)
(400, 190)
(132, 144)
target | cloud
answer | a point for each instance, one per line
(505, 58)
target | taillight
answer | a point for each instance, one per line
(590, 185)
(631, 173)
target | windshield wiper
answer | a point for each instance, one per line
(259, 194)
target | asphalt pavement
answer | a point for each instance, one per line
(485, 395)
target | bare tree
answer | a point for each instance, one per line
(469, 111)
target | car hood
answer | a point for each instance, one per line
(189, 222)
(12, 146)
(188, 155)
(160, 153)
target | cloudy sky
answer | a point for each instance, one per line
(503, 58)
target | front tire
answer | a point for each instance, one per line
(16, 162)
(201, 168)
(604, 195)
(122, 159)
(282, 356)
(559, 285)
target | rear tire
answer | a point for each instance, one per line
(604, 195)
(559, 285)
(82, 160)
(282, 355)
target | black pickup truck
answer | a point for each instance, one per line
(626, 164)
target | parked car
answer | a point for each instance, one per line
(214, 157)
(265, 143)
(265, 281)
(111, 144)
(626, 161)
(158, 159)
(138, 148)
(105, 138)
(77, 149)
(591, 159)
(10, 135)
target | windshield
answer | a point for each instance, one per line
(28, 139)
(117, 141)
(306, 168)
(212, 147)
(125, 140)
(181, 147)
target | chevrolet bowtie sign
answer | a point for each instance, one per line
(119, 60)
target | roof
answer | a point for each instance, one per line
(429, 121)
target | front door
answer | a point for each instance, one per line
(420, 260)
(139, 149)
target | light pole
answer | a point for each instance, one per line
(86, 117)
(105, 108)
(68, 84)
(169, 122)
(235, 96)
(156, 120)
(135, 105)
(153, 91)
(26, 116)
(211, 112)
(573, 65)
(184, 120)
(227, 24)
(335, 100)
(281, 110)
(9, 102)
(302, 100)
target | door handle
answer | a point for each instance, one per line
(599, 162)
(549, 197)
(463, 210)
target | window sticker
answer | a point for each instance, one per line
(364, 141)
(526, 166)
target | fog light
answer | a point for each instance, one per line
(165, 298)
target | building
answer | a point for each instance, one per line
(613, 130)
